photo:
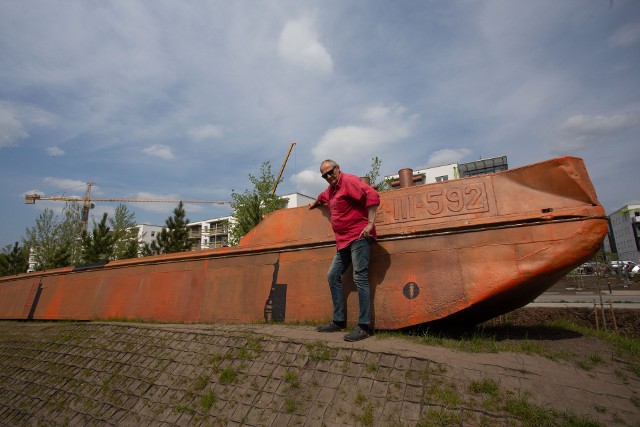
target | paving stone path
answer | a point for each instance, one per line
(262, 375)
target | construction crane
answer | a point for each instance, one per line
(282, 168)
(87, 204)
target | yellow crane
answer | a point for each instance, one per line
(282, 168)
(87, 200)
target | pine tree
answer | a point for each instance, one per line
(173, 238)
(61, 256)
(98, 247)
(13, 260)
(252, 206)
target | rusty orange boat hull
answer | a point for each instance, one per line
(467, 250)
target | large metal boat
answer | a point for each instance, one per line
(465, 250)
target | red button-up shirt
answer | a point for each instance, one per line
(348, 203)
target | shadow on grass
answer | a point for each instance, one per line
(495, 332)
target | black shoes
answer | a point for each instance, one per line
(357, 334)
(330, 327)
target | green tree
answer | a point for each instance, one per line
(374, 173)
(14, 260)
(123, 226)
(61, 256)
(173, 238)
(42, 240)
(69, 232)
(53, 242)
(98, 247)
(252, 206)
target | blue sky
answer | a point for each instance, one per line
(185, 99)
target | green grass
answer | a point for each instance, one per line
(207, 400)
(290, 405)
(371, 368)
(320, 351)
(291, 378)
(201, 382)
(490, 339)
(444, 392)
(531, 415)
(366, 417)
(440, 417)
(486, 386)
(227, 376)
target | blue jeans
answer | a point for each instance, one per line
(357, 253)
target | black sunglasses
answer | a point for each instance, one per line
(327, 173)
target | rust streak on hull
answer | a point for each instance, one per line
(468, 250)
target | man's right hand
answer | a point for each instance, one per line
(314, 205)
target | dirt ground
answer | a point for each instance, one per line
(623, 321)
(97, 373)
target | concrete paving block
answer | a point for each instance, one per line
(364, 384)
(415, 378)
(358, 356)
(255, 416)
(331, 380)
(263, 399)
(240, 413)
(411, 411)
(326, 395)
(282, 419)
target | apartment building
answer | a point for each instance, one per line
(210, 233)
(214, 233)
(147, 233)
(456, 170)
(624, 228)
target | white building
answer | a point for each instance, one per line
(214, 233)
(430, 175)
(210, 233)
(297, 199)
(456, 170)
(147, 233)
(625, 228)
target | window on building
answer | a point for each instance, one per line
(442, 178)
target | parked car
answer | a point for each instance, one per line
(631, 268)
(616, 264)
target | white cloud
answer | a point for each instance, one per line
(205, 132)
(55, 151)
(447, 156)
(68, 184)
(627, 35)
(159, 150)
(164, 207)
(384, 127)
(309, 182)
(299, 45)
(11, 130)
(580, 131)
(16, 119)
(600, 125)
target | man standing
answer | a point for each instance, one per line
(352, 206)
